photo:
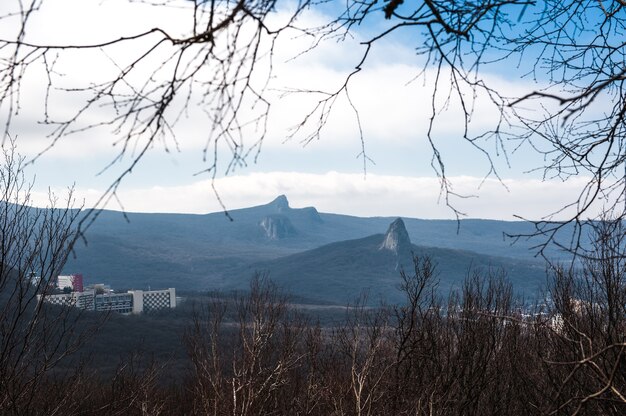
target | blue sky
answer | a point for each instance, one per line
(326, 173)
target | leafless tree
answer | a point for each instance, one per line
(34, 337)
(204, 345)
(133, 389)
(242, 366)
(362, 353)
(416, 322)
(482, 352)
(587, 356)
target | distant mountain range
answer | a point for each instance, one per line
(325, 257)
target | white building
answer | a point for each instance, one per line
(73, 281)
(81, 300)
(152, 300)
(133, 301)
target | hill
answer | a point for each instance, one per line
(204, 251)
(339, 272)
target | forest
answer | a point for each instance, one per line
(256, 353)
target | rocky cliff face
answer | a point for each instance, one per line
(398, 242)
(277, 227)
(397, 238)
(280, 205)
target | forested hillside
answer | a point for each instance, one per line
(209, 252)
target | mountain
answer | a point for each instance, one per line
(397, 239)
(137, 250)
(339, 272)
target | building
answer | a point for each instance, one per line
(99, 288)
(81, 300)
(73, 281)
(152, 300)
(115, 302)
(133, 301)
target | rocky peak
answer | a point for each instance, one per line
(277, 227)
(397, 238)
(280, 203)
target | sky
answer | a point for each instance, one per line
(393, 106)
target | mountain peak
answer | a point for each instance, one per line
(397, 238)
(280, 203)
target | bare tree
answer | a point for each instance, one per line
(204, 343)
(242, 367)
(416, 323)
(587, 357)
(363, 346)
(34, 337)
(480, 353)
(133, 389)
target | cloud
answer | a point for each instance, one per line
(392, 109)
(374, 195)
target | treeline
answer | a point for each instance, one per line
(476, 353)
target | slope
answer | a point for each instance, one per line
(339, 272)
(202, 251)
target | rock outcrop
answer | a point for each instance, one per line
(397, 238)
(398, 242)
(277, 227)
